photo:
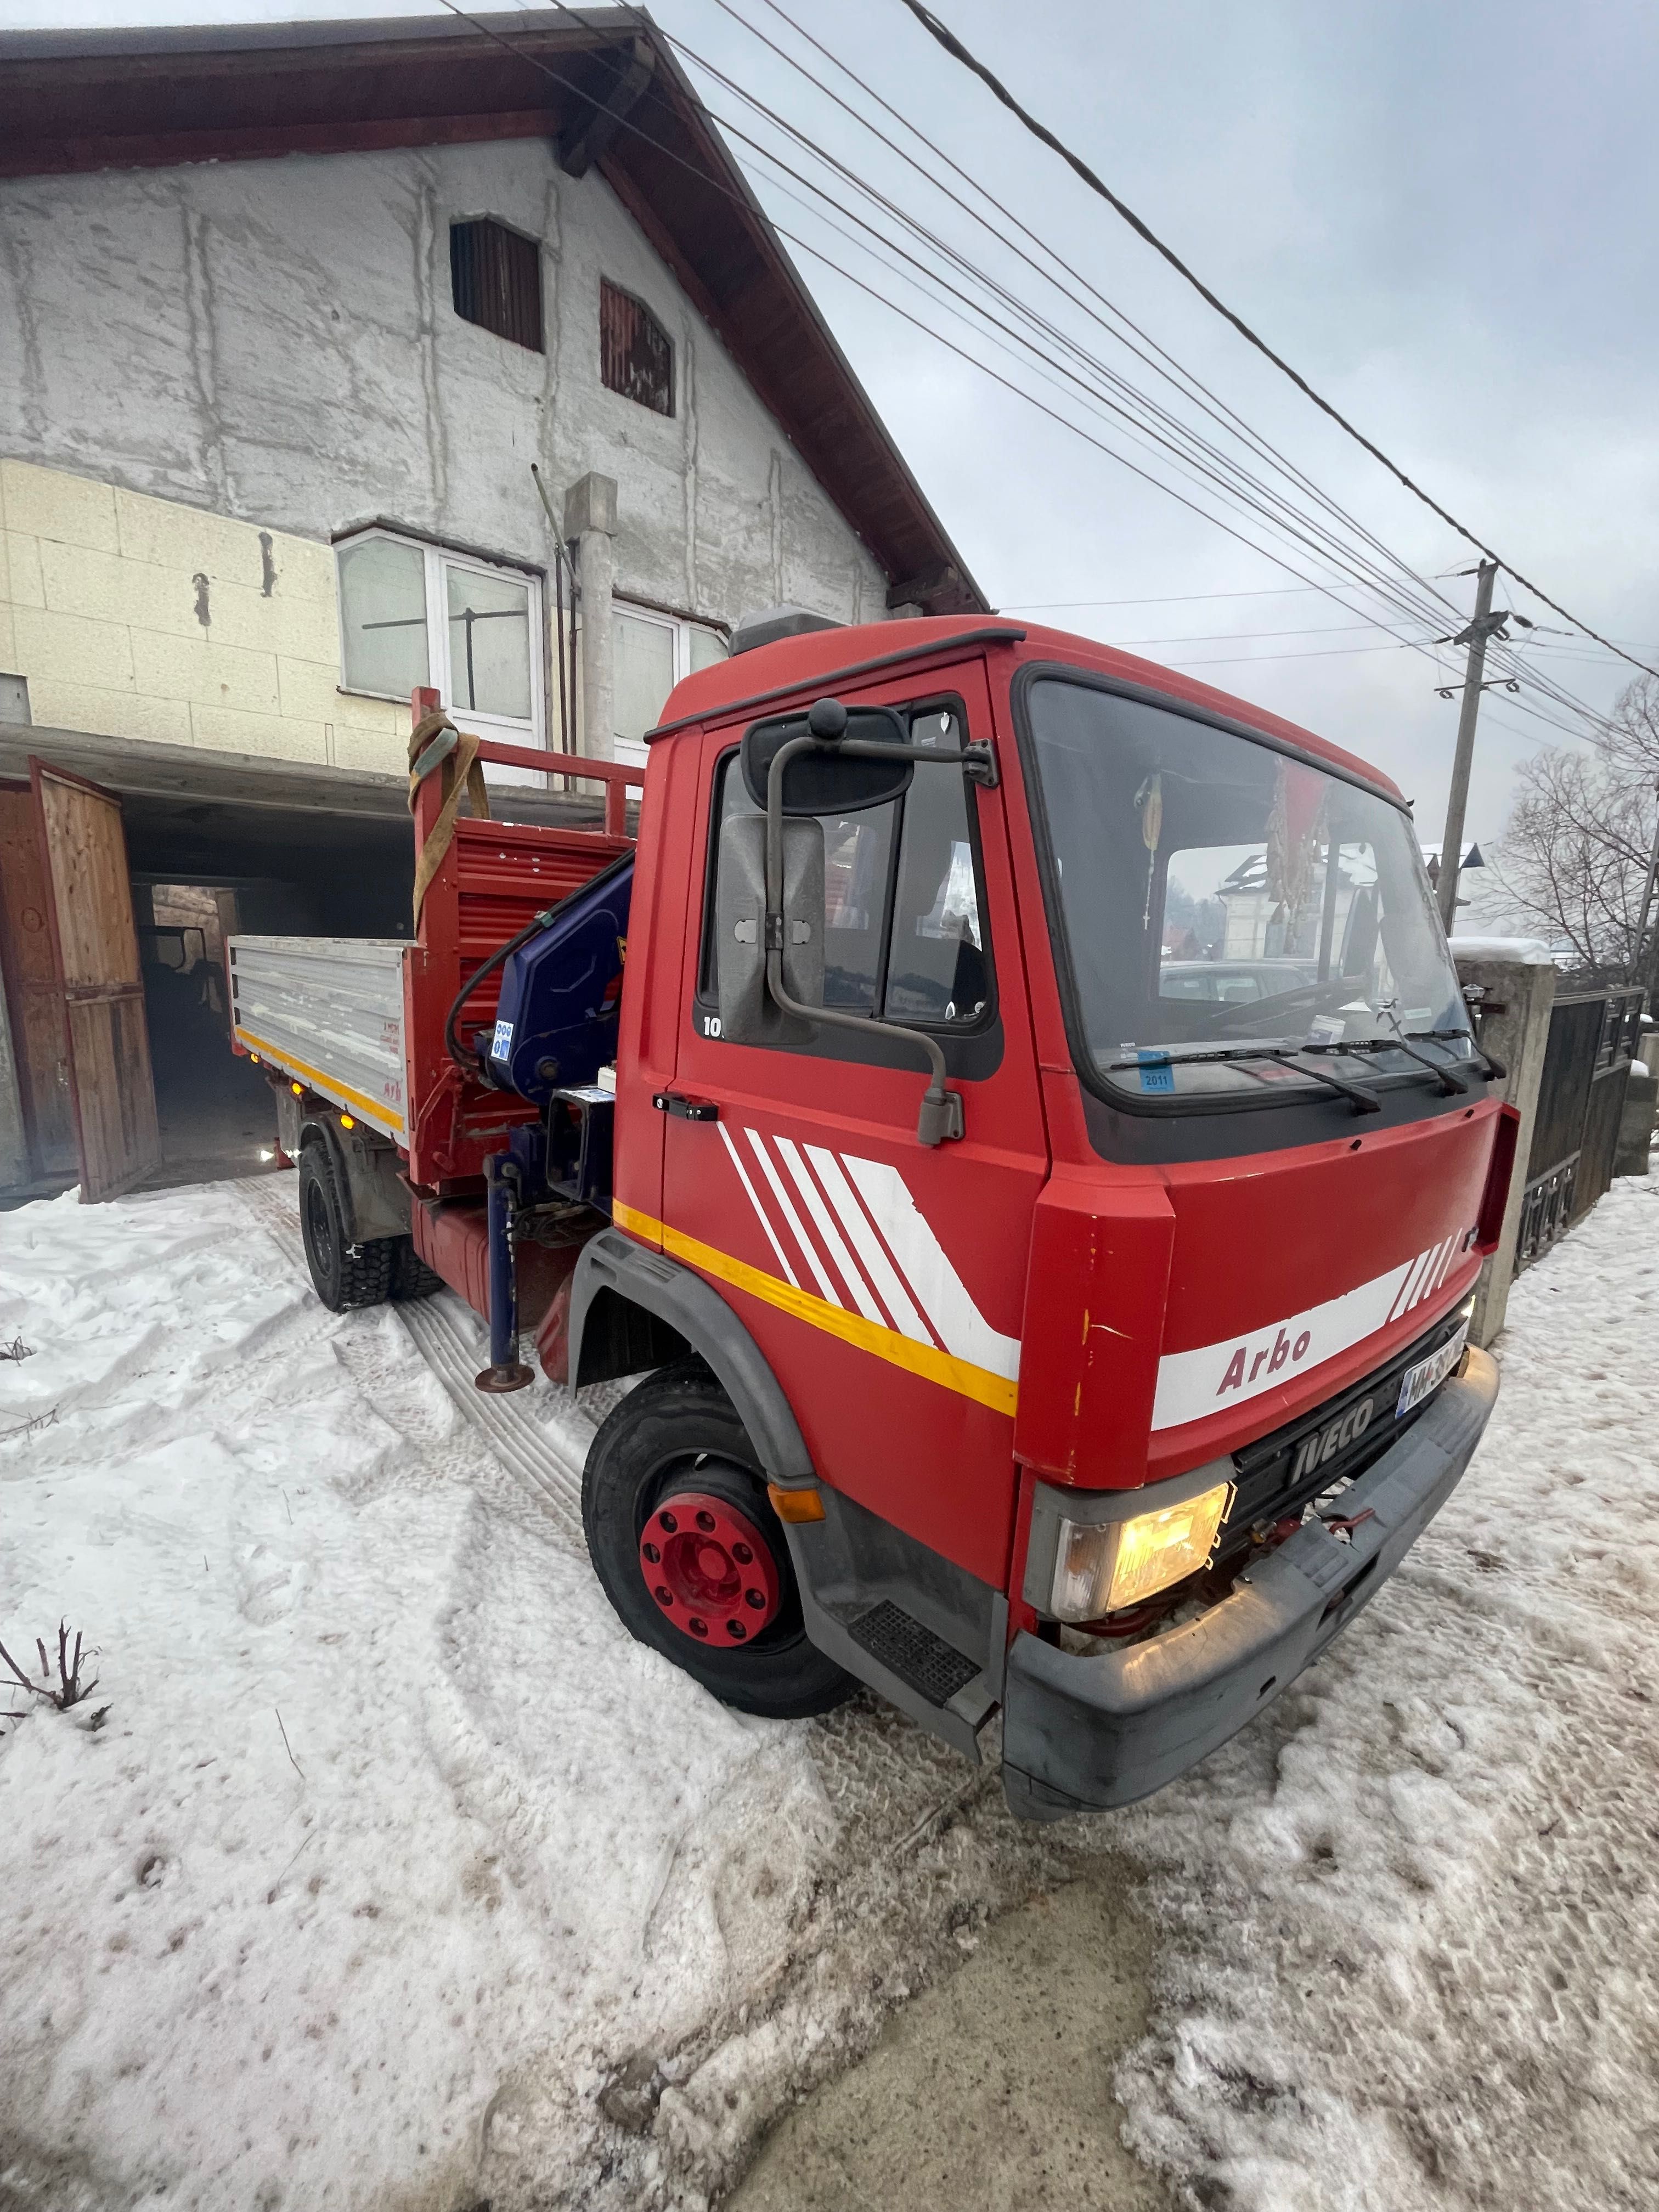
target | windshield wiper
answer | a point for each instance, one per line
(1450, 1085)
(1495, 1068)
(1360, 1102)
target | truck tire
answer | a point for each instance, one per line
(411, 1276)
(671, 1474)
(342, 1275)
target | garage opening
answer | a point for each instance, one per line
(123, 870)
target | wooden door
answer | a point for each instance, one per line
(34, 994)
(95, 949)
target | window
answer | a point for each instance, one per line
(636, 355)
(1210, 893)
(414, 614)
(651, 653)
(902, 935)
(495, 280)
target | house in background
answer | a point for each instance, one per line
(286, 315)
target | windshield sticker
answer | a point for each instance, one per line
(1155, 1073)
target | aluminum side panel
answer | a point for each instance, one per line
(330, 1012)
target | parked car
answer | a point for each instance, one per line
(1234, 982)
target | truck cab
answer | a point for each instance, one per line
(1111, 1409)
(1022, 1329)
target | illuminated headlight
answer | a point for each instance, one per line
(1118, 1562)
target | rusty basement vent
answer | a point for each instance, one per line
(495, 279)
(636, 355)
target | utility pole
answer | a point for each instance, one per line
(1484, 624)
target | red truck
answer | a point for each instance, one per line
(1023, 1329)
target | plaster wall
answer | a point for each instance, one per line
(209, 373)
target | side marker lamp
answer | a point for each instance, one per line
(298, 1089)
(1098, 1570)
(346, 1122)
(796, 1505)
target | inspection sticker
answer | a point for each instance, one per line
(502, 1047)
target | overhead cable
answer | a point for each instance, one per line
(952, 46)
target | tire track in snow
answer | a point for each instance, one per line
(440, 1331)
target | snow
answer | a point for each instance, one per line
(1525, 952)
(1411, 1921)
(383, 1867)
(396, 1876)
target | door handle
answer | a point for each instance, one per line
(685, 1109)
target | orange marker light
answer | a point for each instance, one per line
(795, 1505)
(346, 1122)
(298, 1089)
(254, 1057)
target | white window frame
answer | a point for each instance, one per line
(435, 558)
(630, 750)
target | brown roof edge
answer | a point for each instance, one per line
(94, 99)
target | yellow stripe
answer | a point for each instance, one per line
(330, 1085)
(961, 1375)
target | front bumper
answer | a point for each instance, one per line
(1082, 1732)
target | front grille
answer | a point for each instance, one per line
(1277, 1474)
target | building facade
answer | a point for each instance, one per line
(336, 359)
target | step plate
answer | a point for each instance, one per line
(932, 1667)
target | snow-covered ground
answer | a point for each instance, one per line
(383, 1870)
(1412, 1918)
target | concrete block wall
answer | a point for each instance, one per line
(191, 357)
(135, 616)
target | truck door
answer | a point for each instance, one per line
(884, 1281)
(96, 952)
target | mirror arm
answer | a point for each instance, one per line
(940, 1115)
(978, 761)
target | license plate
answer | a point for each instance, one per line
(1429, 1374)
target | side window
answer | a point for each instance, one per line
(903, 934)
(937, 971)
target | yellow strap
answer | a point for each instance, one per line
(461, 772)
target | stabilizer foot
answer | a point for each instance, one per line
(512, 1375)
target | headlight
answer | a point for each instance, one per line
(1118, 1562)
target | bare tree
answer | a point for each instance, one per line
(1574, 857)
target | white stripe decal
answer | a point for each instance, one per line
(1194, 1384)
(771, 1233)
(888, 1286)
(810, 1250)
(826, 1228)
(944, 1298)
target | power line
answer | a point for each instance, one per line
(1208, 402)
(1165, 365)
(1168, 600)
(953, 47)
(1253, 491)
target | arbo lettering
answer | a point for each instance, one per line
(1241, 1368)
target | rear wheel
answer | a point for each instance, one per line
(683, 1537)
(344, 1275)
(411, 1276)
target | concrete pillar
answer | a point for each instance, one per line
(1517, 996)
(1636, 1120)
(590, 517)
(16, 1168)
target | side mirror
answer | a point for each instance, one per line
(826, 779)
(748, 1014)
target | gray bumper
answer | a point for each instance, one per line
(1081, 1732)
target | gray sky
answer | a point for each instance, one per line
(1443, 217)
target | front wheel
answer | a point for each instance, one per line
(682, 1535)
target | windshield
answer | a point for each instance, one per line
(1218, 895)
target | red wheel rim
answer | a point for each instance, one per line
(709, 1569)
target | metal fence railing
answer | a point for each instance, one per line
(1593, 1036)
